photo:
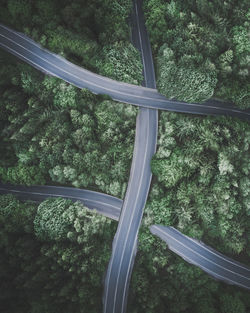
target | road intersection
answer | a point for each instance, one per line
(129, 217)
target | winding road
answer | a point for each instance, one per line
(209, 260)
(30, 52)
(149, 100)
(125, 241)
(106, 205)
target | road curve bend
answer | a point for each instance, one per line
(125, 242)
(32, 53)
(104, 204)
(209, 260)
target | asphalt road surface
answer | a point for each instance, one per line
(106, 205)
(27, 50)
(125, 242)
(209, 260)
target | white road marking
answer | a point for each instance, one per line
(80, 190)
(207, 248)
(136, 236)
(135, 203)
(69, 189)
(104, 78)
(63, 196)
(134, 209)
(108, 89)
(70, 74)
(139, 32)
(203, 257)
(207, 270)
(145, 199)
(132, 171)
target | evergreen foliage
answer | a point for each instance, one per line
(201, 48)
(202, 168)
(201, 187)
(183, 80)
(53, 132)
(120, 61)
(52, 257)
(91, 33)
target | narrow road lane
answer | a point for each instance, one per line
(125, 242)
(209, 260)
(30, 52)
(106, 205)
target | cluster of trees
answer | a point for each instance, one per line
(53, 257)
(163, 282)
(201, 48)
(92, 33)
(200, 186)
(202, 179)
(52, 132)
(52, 266)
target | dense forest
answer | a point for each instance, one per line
(54, 133)
(201, 48)
(201, 186)
(92, 33)
(53, 256)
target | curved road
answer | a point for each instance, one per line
(209, 260)
(125, 242)
(106, 205)
(27, 50)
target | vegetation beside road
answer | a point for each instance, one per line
(52, 257)
(202, 180)
(200, 186)
(54, 133)
(201, 49)
(92, 33)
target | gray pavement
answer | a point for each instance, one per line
(209, 260)
(125, 242)
(30, 52)
(106, 205)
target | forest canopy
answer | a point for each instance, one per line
(201, 49)
(201, 180)
(92, 33)
(53, 255)
(53, 133)
(56, 266)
